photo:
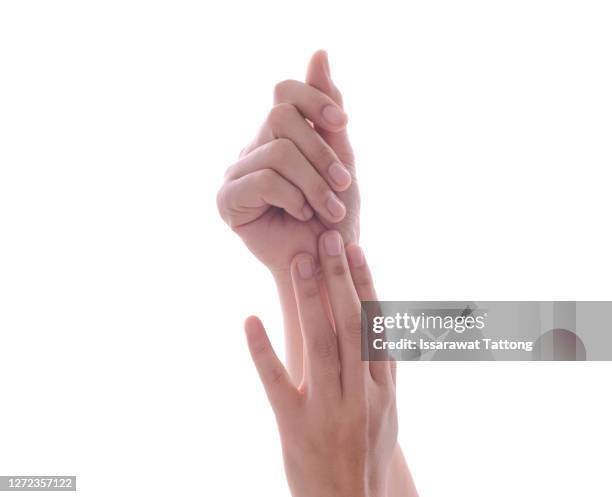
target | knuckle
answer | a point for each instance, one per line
(266, 179)
(225, 207)
(338, 269)
(281, 87)
(321, 190)
(323, 156)
(276, 375)
(221, 200)
(280, 114)
(281, 149)
(259, 349)
(352, 325)
(325, 346)
(221, 205)
(310, 292)
(362, 278)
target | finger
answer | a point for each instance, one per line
(346, 311)
(321, 365)
(362, 279)
(242, 200)
(312, 103)
(281, 393)
(283, 156)
(318, 76)
(285, 121)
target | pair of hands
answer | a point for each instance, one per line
(290, 186)
(339, 427)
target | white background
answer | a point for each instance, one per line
(483, 136)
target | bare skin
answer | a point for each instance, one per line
(339, 426)
(294, 181)
(277, 196)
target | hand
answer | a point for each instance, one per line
(296, 179)
(339, 428)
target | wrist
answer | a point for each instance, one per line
(282, 278)
(293, 334)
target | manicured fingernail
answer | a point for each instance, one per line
(339, 174)
(305, 268)
(307, 212)
(334, 115)
(355, 256)
(333, 244)
(335, 207)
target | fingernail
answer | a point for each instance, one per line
(334, 115)
(335, 207)
(305, 268)
(339, 174)
(333, 244)
(355, 256)
(307, 212)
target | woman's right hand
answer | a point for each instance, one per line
(296, 179)
(339, 427)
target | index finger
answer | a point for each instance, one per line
(313, 104)
(321, 344)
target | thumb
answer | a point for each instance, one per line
(318, 75)
(272, 372)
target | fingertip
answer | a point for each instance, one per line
(335, 117)
(307, 212)
(331, 243)
(253, 327)
(321, 52)
(320, 57)
(335, 208)
(340, 175)
(302, 265)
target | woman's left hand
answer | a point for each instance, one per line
(339, 427)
